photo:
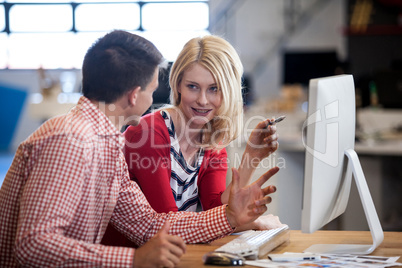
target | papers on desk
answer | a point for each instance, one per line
(333, 260)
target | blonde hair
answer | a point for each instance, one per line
(219, 57)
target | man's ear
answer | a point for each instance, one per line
(133, 95)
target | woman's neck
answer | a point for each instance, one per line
(189, 138)
(183, 128)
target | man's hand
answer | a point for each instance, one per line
(247, 203)
(162, 250)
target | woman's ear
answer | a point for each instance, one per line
(133, 95)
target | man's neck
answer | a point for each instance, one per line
(112, 111)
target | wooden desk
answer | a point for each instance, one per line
(391, 246)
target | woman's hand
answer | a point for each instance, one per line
(267, 222)
(248, 203)
(262, 142)
(264, 222)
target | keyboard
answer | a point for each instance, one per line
(256, 244)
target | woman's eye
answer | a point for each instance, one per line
(191, 86)
(213, 89)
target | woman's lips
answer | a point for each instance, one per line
(201, 112)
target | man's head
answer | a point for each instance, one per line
(117, 63)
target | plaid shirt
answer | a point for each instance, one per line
(66, 182)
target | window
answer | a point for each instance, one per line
(40, 18)
(106, 17)
(57, 33)
(178, 16)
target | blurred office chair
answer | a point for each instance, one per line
(12, 100)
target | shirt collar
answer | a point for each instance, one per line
(98, 119)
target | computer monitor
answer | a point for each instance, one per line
(331, 160)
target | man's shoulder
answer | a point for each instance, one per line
(71, 125)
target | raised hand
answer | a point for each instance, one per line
(262, 142)
(162, 250)
(247, 203)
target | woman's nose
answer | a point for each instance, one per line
(202, 99)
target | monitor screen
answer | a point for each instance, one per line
(301, 66)
(330, 162)
(389, 88)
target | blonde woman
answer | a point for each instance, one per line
(177, 154)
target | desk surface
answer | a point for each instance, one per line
(391, 246)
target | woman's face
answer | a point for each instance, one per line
(200, 98)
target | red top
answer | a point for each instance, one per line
(147, 152)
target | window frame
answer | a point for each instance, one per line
(9, 4)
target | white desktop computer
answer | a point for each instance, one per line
(331, 162)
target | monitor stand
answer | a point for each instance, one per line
(369, 210)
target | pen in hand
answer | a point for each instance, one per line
(277, 120)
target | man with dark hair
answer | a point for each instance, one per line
(69, 179)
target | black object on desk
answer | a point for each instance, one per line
(223, 258)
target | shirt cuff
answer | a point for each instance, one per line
(118, 257)
(222, 226)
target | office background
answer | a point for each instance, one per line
(365, 36)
